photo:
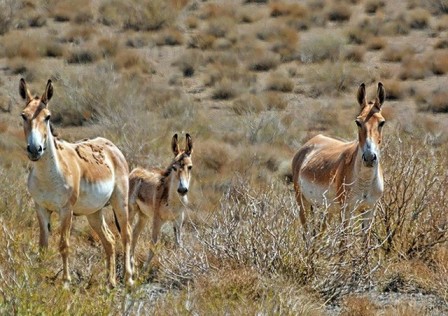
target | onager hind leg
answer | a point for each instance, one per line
(98, 224)
(156, 225)
(119, 202)
(43, 216)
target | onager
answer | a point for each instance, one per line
(162, 194)
(327, 171)
(75, 179)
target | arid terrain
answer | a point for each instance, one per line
(251, 81)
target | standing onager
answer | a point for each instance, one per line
(152, 192)
(348, 173)
(75, 179)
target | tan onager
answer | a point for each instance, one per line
(161, 194)
(327, 171)
(75, 179)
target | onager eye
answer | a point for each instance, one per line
(190, 167)
(358, 123)
(23, 116)
(381, 124)
(174, 168)
(47, 118)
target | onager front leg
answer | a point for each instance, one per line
(43, 216)
(66, 216)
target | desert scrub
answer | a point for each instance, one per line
(279, 82)
(439, 62)
(247, 103)
(354, 54)
(395, 90)
(418, 18)
(372, 6)
(414, 68)
(140, 15)
(411, 217)
(396, 53)
(320, 47)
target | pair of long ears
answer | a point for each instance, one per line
(26, 95)
(188, 145)
(380, 95)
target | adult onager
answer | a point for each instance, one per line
(328, 171)
(75, 179)
(161, 193)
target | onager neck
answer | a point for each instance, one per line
(49, 163)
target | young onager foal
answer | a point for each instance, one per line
(75, 179)
(162, 194)
(326, 170)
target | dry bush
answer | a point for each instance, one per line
(437, 102)
(279, 82)
(353, 305)
(357, 35)
(396, 53)
(170, 37)
(130, 60)
(339, 12)
(396, 26)
(80, 33)
(140, 15)
(219, 27)
(202, 41)
(248, 104)
(439, 62)
(275, 101)
(294, 10)
(334, 78)
(441, 44)
(263, 60)
(418, 18)
(26, 46)
(411, 218)
(214, 10)
(248, 15)
(376, 43)
(189, 62)
(83, 16)
(109, 46)
(414, 68)
(395, 90)
(226, 89)
(8, 11)
(323, 46)
(442, 23)
(191, 22)
(354, 54)
(372, 6)
(83, 55)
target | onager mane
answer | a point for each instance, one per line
(75, 179)
(153, 194)
(327, 171)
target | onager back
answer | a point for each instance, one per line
(162, 194)
(327, 171)
(75, 179)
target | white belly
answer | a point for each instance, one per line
(93, 196)
(317, 194)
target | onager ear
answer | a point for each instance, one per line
(24, 92)
(361, 95)
(175, 145)
(188, 145)
(381, 95)
(48, 93)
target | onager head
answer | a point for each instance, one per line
(370, 124)
(182, 164)
(36, 120)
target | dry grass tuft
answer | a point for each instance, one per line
(279, 82)
(353, 305)
(439, 62)
(376, 43)
(395, 90)
(294, 10)
(414, 68)
(144, 15)
(323, 46)
(263, 61)
(130, 60)
(339, 12)
(396, 53)
(171, 37)
(84, 55)
(354, 54)
(248, 104)
(418, 18)
(372, 6)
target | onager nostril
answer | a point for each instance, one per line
(28, 148)
(40, 149)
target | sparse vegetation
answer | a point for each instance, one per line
(250, 81)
